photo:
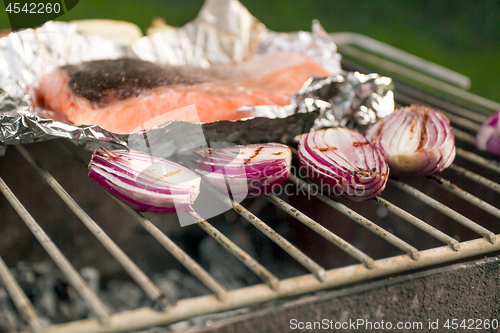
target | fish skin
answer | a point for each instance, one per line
(126, 95)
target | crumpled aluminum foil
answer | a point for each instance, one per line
(223, 32)
(350, 99)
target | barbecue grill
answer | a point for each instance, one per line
(416, 222)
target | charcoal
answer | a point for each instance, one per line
(92, 277)
(122, 296)
(226, 269)
(187, 285)
(9, 319)
(181, 326)
(167, 287)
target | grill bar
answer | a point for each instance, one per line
(94, 303)
(252, 264)
(20, 299)
(453, 243)
(130, 267)
(475, 177)
(478, 160)
(393, 67)
(322, 231)
(452, 188)
(130, 320)
(400, 244)
(463, 136)
(298, 255)
(466, 123)
(424, 98)
(401, 57)
(192, 266)
(415, 76)
(445, 210)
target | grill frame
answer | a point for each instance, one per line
(271, 289)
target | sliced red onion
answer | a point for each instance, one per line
(245, 171)
(344, 163)
(415, 140)
(144, 182)
(488, 137)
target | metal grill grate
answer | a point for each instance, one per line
(466, 121)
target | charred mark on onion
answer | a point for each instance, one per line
(357, 144)
(255, 153)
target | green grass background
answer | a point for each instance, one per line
(463, 35)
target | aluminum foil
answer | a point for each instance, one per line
(350, 99)
(223, 32)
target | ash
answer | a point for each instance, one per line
(55, 301)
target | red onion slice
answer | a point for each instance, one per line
(343, 163)
(415, 140)
(245, 171)
(144, 182)
(488, 137)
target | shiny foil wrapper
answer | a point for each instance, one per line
(223, 32)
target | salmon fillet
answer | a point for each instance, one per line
(126, 95)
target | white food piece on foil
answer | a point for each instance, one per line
(120, 32)
(159, 25)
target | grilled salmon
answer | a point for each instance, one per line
(126, 95)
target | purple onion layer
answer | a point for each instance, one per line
(144, 182)
(488, 137)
